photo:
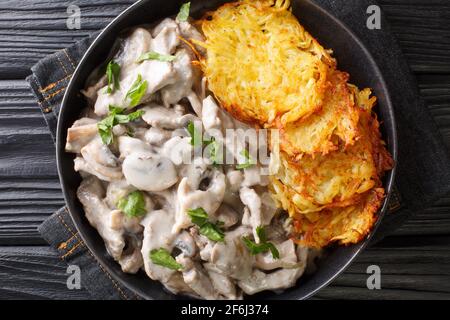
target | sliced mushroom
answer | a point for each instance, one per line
(166, 37)
(209, 200)
(157, 136)
(258, 211)
(178, 150)
(184, 79)
(90, 194)
(80, 134)
(280, 279)
(196, 278)
(136, 44)
(157, 234)
(210, 116)
(128, 145)
(149, 172)
(117, 190)
(288, 257)
(166, 118)
(227, 215)
(253, 177)
(156, 73)
(186, 244)
(222, 284)
(231, 257)
(98, 160)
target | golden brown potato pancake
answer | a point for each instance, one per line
(335, 179)
(261, 64)
(345, 225)
(333, 125)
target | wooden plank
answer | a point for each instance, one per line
(27, 148)
(34, 273)
(37, 272)
(30, 30)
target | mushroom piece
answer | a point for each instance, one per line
(209, 200)
(210, 116)
(80, 134)
(186, 244)
(166, 37)
(184, 79)
(149, 172)
(157, 226)
(176, 285)
(280, 279)
(128, 145)
(288, 257)
(98, 160)
(156, 136)
(231, 257)
(196, 278)
(166, 118)
(227, 215)
(117, 190)
(90, 192)
(221, 283)
(136, 44)
(157, 74)
(178, 150)
(259, 210)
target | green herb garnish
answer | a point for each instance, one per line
(115, 117)
(137, 91)
(214, 150)
(133, 205)
(112, 73)
(196, 136)
(183, 15)
(263, 246)
(208, 229)
(248, 160)
(163, 258)
(152, 55)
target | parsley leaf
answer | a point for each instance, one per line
(133, 205)
(163, 258)
(263, 246)
(214, 150)
(183, 15)
(115, 117)
(196, 136)
(208, 229)
(137, 91)
(112, 73)
(248, 160)
(152, 55)
(198, 216)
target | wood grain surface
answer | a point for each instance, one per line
(414, 261)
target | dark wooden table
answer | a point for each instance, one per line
(414, 261)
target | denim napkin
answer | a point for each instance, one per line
(423, 166)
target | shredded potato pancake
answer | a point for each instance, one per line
(267, 70)
(262, 64)
(335, 123)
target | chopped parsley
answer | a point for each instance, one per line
(208, 229)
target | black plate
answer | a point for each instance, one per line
(352, 57)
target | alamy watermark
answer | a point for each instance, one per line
(374, 280)
(374, 20)
(73, 281)
(74, 19)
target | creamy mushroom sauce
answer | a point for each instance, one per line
(151, 160)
